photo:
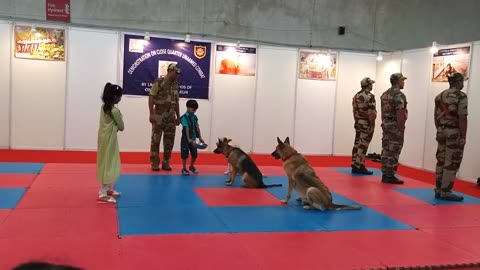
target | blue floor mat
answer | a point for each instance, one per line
(427, 195)
(20, 168)
(167, 204)
(9, 197)
(168, 220)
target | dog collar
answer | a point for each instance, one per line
(289, 156)
(229, 151)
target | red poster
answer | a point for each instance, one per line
(58, 10)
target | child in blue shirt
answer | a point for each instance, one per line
(190, 132)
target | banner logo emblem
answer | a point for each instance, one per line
(200, 51)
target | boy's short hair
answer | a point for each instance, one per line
(192, 104)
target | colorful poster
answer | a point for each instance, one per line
(145, 61)
(317, 65)
(449, 60)
(234, 60)
(39, 43)
(57, 10)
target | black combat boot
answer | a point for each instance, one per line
(361, 170)
(449, 196)
(391, 180)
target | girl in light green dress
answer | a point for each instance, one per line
(108, 153)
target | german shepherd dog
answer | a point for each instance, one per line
(240, 162)
(301, 176)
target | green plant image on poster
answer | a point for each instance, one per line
(39, 43)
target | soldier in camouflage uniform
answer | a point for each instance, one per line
(164, 116)
(394, 116)
(451, 122)
(364, 114)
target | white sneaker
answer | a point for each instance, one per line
(113, 193)
(106, 199)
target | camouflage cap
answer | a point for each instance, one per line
(366, 81)
(455, 77)
(397, 76)
(174, 66)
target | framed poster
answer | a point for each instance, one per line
(317, 65)
(41, 44)
(449, 60)
(145, 61)
(234, 60)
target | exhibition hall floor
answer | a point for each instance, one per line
(48, 212)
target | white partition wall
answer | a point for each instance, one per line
(38, 103)
(56, 105)
(390, 64)
(233, 106)
(416, 66)
(470, 168)
(353, 67)
(275, 97)
(5, 57)
(314, 117)
(92, 62)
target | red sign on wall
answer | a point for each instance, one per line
(58, 10)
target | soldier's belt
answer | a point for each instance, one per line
(448, 126)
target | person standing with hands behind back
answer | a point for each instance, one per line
(164, 116)
(364, 115)
(394, 117)
(451, 110)
(108, 153)
(190, 132)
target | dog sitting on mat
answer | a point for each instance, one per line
(311, 190)
(240, 162)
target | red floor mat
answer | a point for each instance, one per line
(16, 180)
(236, 197)
(66, 180)
(378, 195)
(182, 252)
(306, 251)
(61, 197)
(464, 238)
(69, 168)
(98, 222)
(87, 253)
(428, 216)
(4, 214)
(400, 248)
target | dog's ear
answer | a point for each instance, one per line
(279, 141)
(219, 140)
(287, 141)
(229, 140)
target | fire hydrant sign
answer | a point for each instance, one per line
(58, 10)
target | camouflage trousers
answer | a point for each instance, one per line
(449, 157)
(164, 125)
(392, 144)
(360, 145)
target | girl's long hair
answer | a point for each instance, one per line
(110, 93)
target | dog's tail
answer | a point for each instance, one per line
(344, 207)
(272, 185)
